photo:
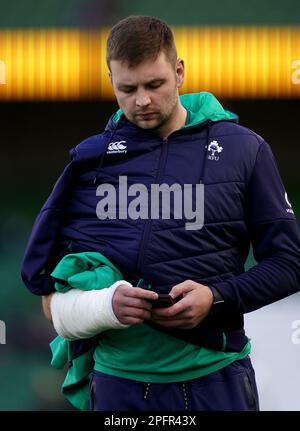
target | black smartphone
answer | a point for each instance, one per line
(164, 300)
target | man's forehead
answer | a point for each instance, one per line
(142, 73)
(136, 79)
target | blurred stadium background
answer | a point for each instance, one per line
(56, 93)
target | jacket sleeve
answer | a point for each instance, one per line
(275, 240)
(42, 254)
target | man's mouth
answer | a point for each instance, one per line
(147, 116)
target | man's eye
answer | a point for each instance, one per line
(127, 90)
(156, 85)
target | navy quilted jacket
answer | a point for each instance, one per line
(245, 202)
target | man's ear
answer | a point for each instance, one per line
(179, 72)
(110, 77)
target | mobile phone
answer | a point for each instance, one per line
(164, 300)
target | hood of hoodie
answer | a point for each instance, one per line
(201, 107)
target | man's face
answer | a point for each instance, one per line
(148, 93)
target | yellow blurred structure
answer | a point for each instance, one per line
(233, 62)
(2, 72)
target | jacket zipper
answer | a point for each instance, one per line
(148, 223)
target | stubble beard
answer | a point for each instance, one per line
(162, 119)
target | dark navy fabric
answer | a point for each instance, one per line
(245, 203)
(232, 388)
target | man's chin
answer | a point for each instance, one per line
(148, 124)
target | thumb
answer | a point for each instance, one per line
(182, 288)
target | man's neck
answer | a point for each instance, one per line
(176, 123)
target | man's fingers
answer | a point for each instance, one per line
(184, 287)
(138, 292)
(176, 309)
(131, 305)
(128, 320)
(137, 303)
(139, 313)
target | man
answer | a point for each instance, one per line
(192, 355)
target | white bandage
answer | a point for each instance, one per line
(82, 314)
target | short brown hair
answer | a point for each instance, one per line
(138, 38)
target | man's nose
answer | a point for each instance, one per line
(143, 99)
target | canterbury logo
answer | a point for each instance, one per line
(117, 147)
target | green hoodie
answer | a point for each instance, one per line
(84, 271)
(200, 108)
